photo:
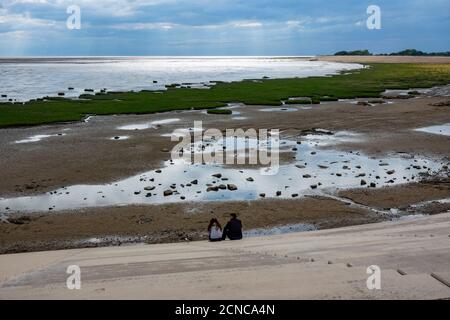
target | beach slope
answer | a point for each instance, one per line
(414, 257)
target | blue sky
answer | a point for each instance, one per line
(220, 27)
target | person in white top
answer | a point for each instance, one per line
(215, 230)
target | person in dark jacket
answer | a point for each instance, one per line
(233, 229)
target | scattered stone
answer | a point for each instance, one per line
(363, 182)
(307, 176)
(195, 182)
(232, 187)
(168, 193)
(158, 171)
(300, 166)
(250, 179)
(212, 188)
(390, 172)
(349, 265)
(222, 187)
(137, 192)
(294, 195)
(330, 262)
(217, 175)
(314, 186)
(278, 193)
(150, 188)
(373, 185)
(322, 166)
(262, 195)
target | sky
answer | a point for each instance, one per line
(220, 27)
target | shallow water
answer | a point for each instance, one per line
(38, 78)
(313, 171)
(38, 137)
(147, 125)
(443, 129)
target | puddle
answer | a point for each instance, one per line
(443, 129)
(292, 228)
(39, 137)
(119, 138)
(239, 118)
(315, 171)
(182, 132)
(148, 125)
(280, 109)
(323, 140)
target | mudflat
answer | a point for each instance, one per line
(87, 153)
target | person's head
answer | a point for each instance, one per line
(214, 222)
(233, 216)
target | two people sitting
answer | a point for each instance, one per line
(232, 230)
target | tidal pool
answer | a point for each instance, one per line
(38, 137)
(313, 171)
(147, 125)
(443, 129)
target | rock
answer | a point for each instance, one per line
(300, 166)
(168, 193)
(306, 176)
(278, 193)
(183, 198)
(154, 81)
(349, 265)
(363, 103)
(213, 188)
(149, 188)
(250, 179)
(322, 166)
(4, 95)
(222, 187)
(158, 171)
(262, 195)
(390, 172)
(363, 182)
(137, 192)
(70, 88)
(330, 262)
(217, 175)
(373, 185)
(294, 195)
(61, 93)
(232, 187)
(165, 150)
(19, 221)
(89, 90)
(314, 186)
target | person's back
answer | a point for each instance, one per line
(215, 230)
(233, 229)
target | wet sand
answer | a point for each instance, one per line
(85, 153)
